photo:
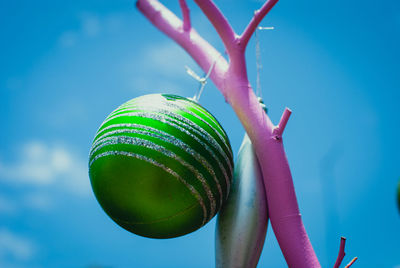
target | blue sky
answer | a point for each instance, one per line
(64, 65)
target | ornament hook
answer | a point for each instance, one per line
(202, 80)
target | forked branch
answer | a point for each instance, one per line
(219, 22)
(199, 49)
(342, 254)
(255, 21)
(231, 79)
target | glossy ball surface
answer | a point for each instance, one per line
(161, 166)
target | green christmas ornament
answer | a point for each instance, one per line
(161, 166)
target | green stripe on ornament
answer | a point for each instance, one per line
(195, 157)
(172, 143)
(157, 155)
(188, 106)
(202, 122)
(192, 136)
(191, 170)
(180, 103)
(180, 108)
(209, 117)
(132, 201)
(161, 165)
(172, 119)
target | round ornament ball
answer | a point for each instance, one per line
(161, 166)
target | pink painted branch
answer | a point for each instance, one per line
(282, 202)
(200, 50)
(255, 21)
(282, 123)
(186, 15)
(219, 22)
(351, 263)
(233, 82)
(341, 253)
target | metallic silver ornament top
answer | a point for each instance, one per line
(242, 222)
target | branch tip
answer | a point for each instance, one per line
(198, 48)
(351, 263)
(282, 123)
(186, 15)
(220, 23)
(255, 21)
(341, 253)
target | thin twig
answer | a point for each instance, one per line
(185, 15)
(282, 123)
(198, 48)
(257, 18)
(219, 22)
(341, 252)
(351, 263)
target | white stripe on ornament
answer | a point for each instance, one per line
(166, 169)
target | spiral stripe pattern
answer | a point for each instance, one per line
(166, 153)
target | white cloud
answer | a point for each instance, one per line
(15, 246)
(148, 86)
(164, 61)
(68, 38)
(42, 164)
(90, 26)
(37, 201)
(167, 58)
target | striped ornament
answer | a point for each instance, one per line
(161, 166)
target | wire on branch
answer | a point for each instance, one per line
(201, 80)
(255, 21)
(258, 59)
